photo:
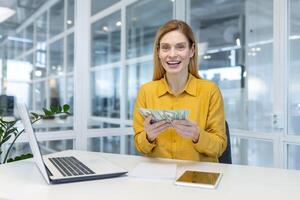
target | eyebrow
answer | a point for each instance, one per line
(175, 44)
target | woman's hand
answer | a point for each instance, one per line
(187, 129)
(153, 130)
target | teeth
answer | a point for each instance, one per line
(172, 63)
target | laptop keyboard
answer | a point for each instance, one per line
(70, 166)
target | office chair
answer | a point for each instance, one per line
(226, 156)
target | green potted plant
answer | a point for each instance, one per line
(8, 129)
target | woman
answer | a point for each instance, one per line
(177, 85)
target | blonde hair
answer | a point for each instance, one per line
(186, 30)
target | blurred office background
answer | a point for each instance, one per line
(94, 55)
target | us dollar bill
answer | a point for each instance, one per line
(169, 115)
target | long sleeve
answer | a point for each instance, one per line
(140, 138)
(212, 140)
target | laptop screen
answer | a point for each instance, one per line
(37, 156)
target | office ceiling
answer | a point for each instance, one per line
(23, 8)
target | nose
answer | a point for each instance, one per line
(172, 52)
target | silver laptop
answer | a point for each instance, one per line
(70, 167)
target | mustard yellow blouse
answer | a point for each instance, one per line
(204, 100)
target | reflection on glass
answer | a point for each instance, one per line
(56, 58)
(70, 13)
(237, 37)
(28, 40)
(293, 152)
(57, 18)
(39, 95)
(70, 53)
(105, 93)
(106, 40)
(108, 144)
(137, 75)
(41, 31)
(142, 24)
(294, 69)
(97, 5)
(56, 90)
(252, 152)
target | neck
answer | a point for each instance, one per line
(177, 82)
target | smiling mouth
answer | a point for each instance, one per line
(173, 63)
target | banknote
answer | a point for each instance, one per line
(169, 115)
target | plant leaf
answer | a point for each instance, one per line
(59, 109)
(35, 115)
(47, 112)
(21, 157)
(5, 139)
(66, 108)
(54, 108)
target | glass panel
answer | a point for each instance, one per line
(294, 69)
(293, 152)
(101, 5)
(130, 146)
(19, 149)
(19, 43)
(19, 76)
(70, 53)
(70, 13)
(45, 146)
(40, 62)
(57, 18)
(137, 75)
(70, 92)
(41, 31)
(252, 152)
(53, 146)
(142, 24)
(39, 95)
(236, 49)
(10, 50)
(56, 58)
(108, 144)
(41, 50)
(105, 93)
(106, 40)
(56, 90)
(29, 37)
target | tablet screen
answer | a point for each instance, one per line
(199, 178)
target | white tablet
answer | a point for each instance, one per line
(199, 179)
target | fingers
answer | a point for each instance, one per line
(184, 122)
(153, 133)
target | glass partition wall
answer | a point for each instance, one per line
(243, 46)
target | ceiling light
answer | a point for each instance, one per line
(6, 13)
(105, 28)
(238, 42)
(69, 22)
(118, 23)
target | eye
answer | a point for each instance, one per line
(165, 47)
(180, 46)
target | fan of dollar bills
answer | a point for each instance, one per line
(169, 115)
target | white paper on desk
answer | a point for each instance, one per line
(154, 171)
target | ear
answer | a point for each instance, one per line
(192, 51)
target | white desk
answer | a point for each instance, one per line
(22, 180)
